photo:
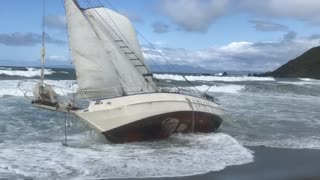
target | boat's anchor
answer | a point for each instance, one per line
(67, 124)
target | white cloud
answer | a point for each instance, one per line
(305, 10)
(199, 15)
(238, 56)
(194, 15)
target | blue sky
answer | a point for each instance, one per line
(247, 35)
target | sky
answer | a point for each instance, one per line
(217, 35)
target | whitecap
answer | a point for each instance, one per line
(10, 87)
(308, 79)
(233, 89)
(302, 82)
(31, 72)
(5, 68)
(180, 155)
(212, 78)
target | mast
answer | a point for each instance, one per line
(103, 68)
(43, 51)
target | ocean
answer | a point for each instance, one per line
(260, 111)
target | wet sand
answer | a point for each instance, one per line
(269, 164)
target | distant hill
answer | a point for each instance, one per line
(305, 66)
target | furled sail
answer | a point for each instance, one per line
(103, 69)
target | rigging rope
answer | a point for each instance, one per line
(154, 62)
(90, 5)
(104, 22)
(121, 36)
(97, 3)
(171, 67)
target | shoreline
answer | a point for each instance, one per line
(269, 163)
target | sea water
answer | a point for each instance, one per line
(282, 113)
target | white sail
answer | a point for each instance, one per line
(119, 27)
(119, 38)
(100, 63)
(94, 71)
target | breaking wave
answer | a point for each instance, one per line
(308, 79)
(233, 89)
(64, 87)
(212, 78)
(181, 155)
(20, 73)
(25, 72)
(10, 87)
(302, 82)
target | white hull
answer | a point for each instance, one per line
(165, 112)
(109, 63)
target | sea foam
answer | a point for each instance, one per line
(233, 89)
(212, 78)
(64, 87)
(308, 79)
(302, 82)
(10, 87)
(30, 72)
(180, 155)
(312, 142)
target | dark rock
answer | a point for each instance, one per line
(224, 74)
(305, 66)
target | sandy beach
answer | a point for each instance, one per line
(269, 164)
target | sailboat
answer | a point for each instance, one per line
(125, 102)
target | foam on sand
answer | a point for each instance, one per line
(180, 155)
(212, 78)
(312, 142)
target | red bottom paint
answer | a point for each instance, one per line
(162, 126)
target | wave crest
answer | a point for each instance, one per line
(29, 72)
(180, 155)
(231, 88)
(212, 78)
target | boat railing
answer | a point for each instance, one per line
(191, 91)
(26, 87)
(170, 88)
(26, 90)
(161, 88)
(71, 94)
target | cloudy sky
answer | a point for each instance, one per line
(243, 35)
